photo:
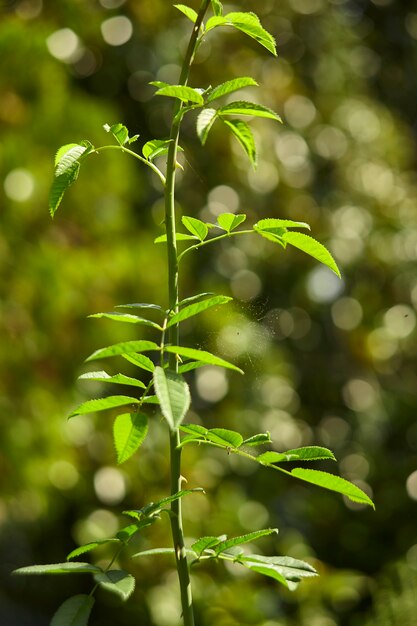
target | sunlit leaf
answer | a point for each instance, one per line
(90, 546)
(129, 432)
(244, 135)
(199, 307)
(249, 24)
(173, 395)
(140, 360)
(217, 7)
(183, 93)
(227, 544)
(334, 483)
(205, 121)
(119, 132)
(60, 185)
(308, 453)
(230, 221)
(119, 379)
(312, 247)
(101, 404)
(141, 305)
(178, 237)
(155, 148)
(229, 86)
(117, 581)
(275, 225)
(203, 356)
(58, 568)
(154, 508)
(205, 543)
(191, 299)
(225, 437)
(68, 158)
(74, 612)
(195, 227)
(248, 108)
(191, 365)
(125, 347)
(188, 11)
(126, 533)
(257, 440)
(127, 318)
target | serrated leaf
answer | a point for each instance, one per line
(154, 552)
(249, 24)
(101, 404)
(230, 221)
(217, 7)
(74, 612)
(203, 356)
(205, 121)
(195, 227)
(125, 347)
(205, 543)
(140, 360)
(230, 86)
(173, 394)
(242, 107)
(291, 569)
(129, 432)
(70, 157)
(244, 135)
(257, 440)
(183, 93)
(275, 225)
(188, 11)
(118, 379)
(58, 568)
(178, 237)
(198, 296)
(229, 438)
(248, 538)
(133, 139)
(119, 132)
(127, 532)
(155, 148)
(62, 151)
(308, 453)
(89, 546)
(141, 305)
(117, 581)
(333, 483)
(195, 309)
(267, 570)
(312, 247)
(127, 318)
(60, 185)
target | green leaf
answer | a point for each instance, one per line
(257, 440)
(60, 185)
(68, 158)
(153, 552)
(119, 132)
(198, 296)
(333, 483)
(205, 121)
(230, 221)
(203, 356)
(308, 453)
(248, 108)
(183, 93)
(195, 227)
(101, 404)
(205, 543)
(90, 546)
(126, 533)
(191, 365)
(173, 395)
(74, 612)
(154, 508)
(118, 379)
(228, 438)
(249, 24)
(194, 309)
(149, 400)
(133, 139)
(229, 86)
(194, 429)
(62, 151)
(244, 135)
(178, 237)
(217, 7)
(117, 581)
(275, 225)
(312, 247)
(155, 148)
(214, 22)
(188, 11)
(287, 571)
(140, 360)
(125, 347)
(129, 432)
(141, 305)
(127, 318)
(248, 538)
(58, 568)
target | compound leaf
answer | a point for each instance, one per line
(173, 394)
(75, 611)
(129, 432)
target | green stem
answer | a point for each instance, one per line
(137, 156)
(173, 333)
(213, 240)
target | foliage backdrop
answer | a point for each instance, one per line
(328, 362)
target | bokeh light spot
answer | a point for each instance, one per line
(19, 185)
(117, 30)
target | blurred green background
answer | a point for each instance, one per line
(327, 362)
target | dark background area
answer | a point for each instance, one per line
(327, 362)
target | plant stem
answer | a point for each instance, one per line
(173, 333)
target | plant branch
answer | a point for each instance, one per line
(137, 156)
(213, 240)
